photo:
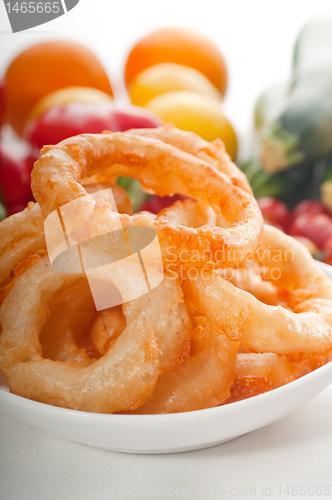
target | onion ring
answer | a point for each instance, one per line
(259, 373)
(212, 152)
(249, 276)
(20, 235)
(122, 379)
(57, 175)
(203, 381)
(172, 332)
(106, 328)
(19, 269)
(23, 233)
(306, 327)
(59, 337)
(71, 313)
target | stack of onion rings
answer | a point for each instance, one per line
(242, 324)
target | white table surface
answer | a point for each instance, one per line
(256, 37)
(296, 450)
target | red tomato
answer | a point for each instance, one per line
(15, 208)
(33, 156)
(14, 178)
(275, 212)
(310, 207)
(316, 227)
(327, 246)
(66, 120)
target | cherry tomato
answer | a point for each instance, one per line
(157, 203)
(310, 207)
(316, 227)
(62, 121)
(14, 178)
(275, 211)
(327, 245)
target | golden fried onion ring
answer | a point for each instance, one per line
(156, 339)
(172, 332)
(122, 379)
(304, 327)
(162, 169)
(20, 235)
(71, 313)
(259, 373)
(212, 152)
(203, 381)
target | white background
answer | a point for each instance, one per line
(256, 38)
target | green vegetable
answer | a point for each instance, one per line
(313, 49)
(134, 191)
(302, 130)
(291, 186)
(2, 212)
(326, 186)
(269, 105)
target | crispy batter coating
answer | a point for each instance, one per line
(122, 379)
(163, 169)
(306, 326)
(259, 373)
(203, 381)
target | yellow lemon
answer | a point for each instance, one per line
(196, 113)
(169, 77)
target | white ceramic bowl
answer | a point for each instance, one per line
(167, 433)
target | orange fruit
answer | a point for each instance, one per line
(197, 113)
(45, 68)
(180, 46)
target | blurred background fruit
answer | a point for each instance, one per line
(157, 203)
(65, 96)
(316, 227)
(2, 101)
(44, 68)
(14, 181)
(61, 121)
(309, 222)
(168, 77)
(310, 207)
(180, 46)
(197, 113)
(275, 212)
